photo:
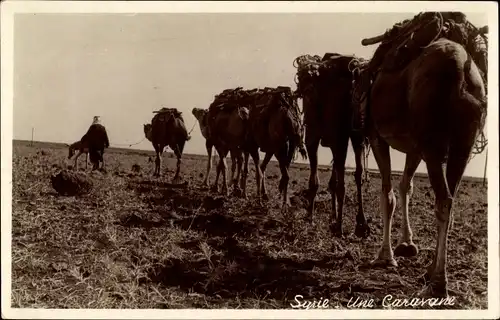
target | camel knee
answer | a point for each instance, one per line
(443, 209)
(340, 189)
(358, 175)
(406, 187)
(332, 184)
(388, 200)
(313, 184)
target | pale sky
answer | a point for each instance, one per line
(70, 67)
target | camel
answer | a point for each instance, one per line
(201, 116)
(227, 129)
(82, 149)
(326, 99)
(96, 138)
(274, 127)
(432, 109)
(167, 129)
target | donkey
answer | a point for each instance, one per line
(82, 149)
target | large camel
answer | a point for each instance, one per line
(325, 88)
(167, 129)
(432, 109)
(202, 116)
(276, 129)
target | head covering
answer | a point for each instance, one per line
(96, 120)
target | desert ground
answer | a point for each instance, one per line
(137, 242)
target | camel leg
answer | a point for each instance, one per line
(223, 169)
(215, 187)
(387, 200)
(337, 185)
(76, 161)
(209, 163)
(406, 247)
(443, 204)
(263, 166)
(362, 229)
(233, 169)
(283, 162)
(224, 177)
(237, 159)
(258, 173)
(86, 161)
(159, 151)
(178, 155)
(244, 175)
(312, 145)
(445, 185)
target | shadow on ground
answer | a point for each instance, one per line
(232, 270)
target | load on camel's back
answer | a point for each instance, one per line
(426, 96)
(406, 41)
(167, 128)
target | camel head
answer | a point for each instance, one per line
(201, 116)
(148, 131)
(199, 113)
(71, 150)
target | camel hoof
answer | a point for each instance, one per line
(383, 263)
(362, 230)
(336, 229)
(284, 210)
(405, 249)
(309, 218)
(425, 279)
(435, 290)
(237, 192)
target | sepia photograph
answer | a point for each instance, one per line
(319, 160)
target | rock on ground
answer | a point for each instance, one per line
(71, 183)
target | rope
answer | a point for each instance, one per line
(128, 145)
(189, 133)
(365, 164)
(479, 146)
